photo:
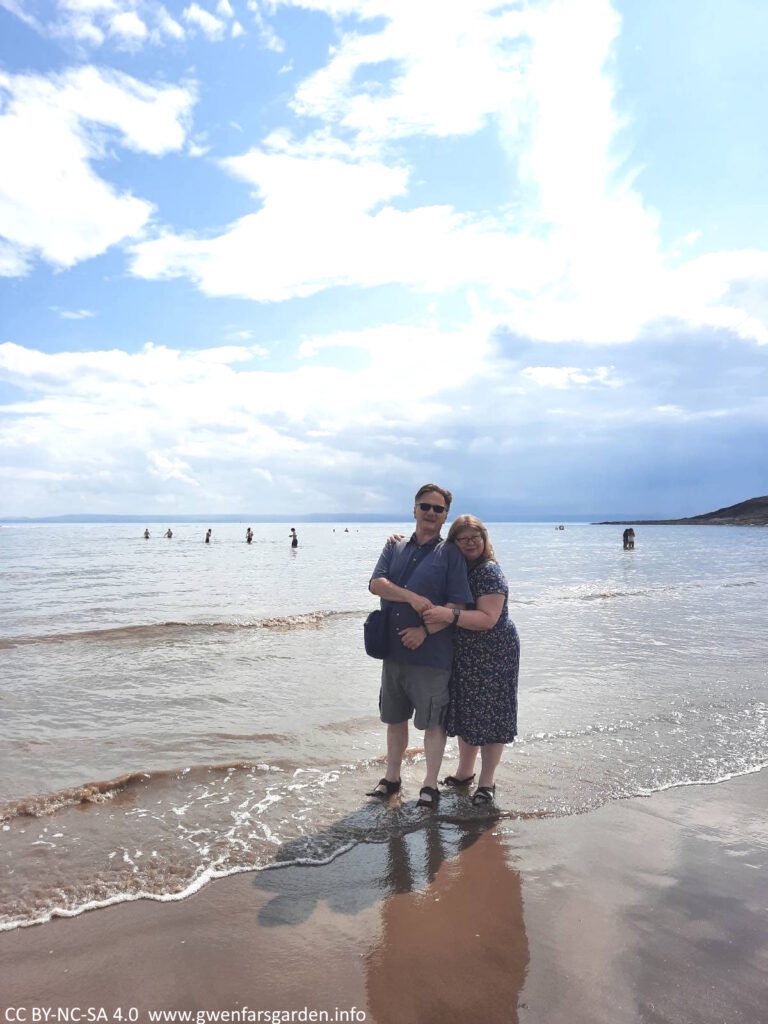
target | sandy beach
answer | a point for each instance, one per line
(647, 910)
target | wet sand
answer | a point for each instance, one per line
(646, 911)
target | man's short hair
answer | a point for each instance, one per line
(447, 496)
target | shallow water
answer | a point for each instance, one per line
(173, 711)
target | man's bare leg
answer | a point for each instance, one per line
(434, 746)
(397, 744)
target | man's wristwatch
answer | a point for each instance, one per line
(456, 614)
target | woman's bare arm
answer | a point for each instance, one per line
(483, 617)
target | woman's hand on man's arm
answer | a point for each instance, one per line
(479, 619)
(440, 615)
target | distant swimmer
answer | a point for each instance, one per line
(168, 533)
(146, 535)
(208, 537)
(248, 535)
(628, 538)
(294, 538)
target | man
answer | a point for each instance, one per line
(410, 577)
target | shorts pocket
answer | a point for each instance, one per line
(438, 711)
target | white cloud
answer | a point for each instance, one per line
(73, 314)
(325, 221)
(247, 334)
(129, 23)
(129, 27)
(88, 6)
(561, 246)
(336, 8)
(14, 260)
(341, 206)
(168, 26)
(332, 197)
(79, 372)
(17, 8)
(82, 29)
(25, 473)
(181, 416)
(196, 149)
(165, 469)
(336, 207)
(267, 35)
(51, 200)
(211, 26)
(561, 377)
(456, 64)
(221, 424)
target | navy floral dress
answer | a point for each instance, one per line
(483, 704)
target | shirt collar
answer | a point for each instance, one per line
(428, 544)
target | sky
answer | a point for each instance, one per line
(302, 256)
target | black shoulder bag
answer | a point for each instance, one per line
(376, 626)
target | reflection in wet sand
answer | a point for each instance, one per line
(456, 950)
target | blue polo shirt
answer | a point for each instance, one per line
(439, 572)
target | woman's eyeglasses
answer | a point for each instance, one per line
(425, 507)
(469, 538)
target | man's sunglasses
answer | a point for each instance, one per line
(425, 507)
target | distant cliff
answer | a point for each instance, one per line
(753, 512)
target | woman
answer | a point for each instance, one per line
(483, 704)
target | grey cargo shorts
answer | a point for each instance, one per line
(417, 690)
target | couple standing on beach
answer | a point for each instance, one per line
(453, 654)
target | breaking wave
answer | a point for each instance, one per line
(169, 630)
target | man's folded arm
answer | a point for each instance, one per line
(382, 587)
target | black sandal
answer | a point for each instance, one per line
(433, 794)
(483, 796)
(390, 788)
(451, 780)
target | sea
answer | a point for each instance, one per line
(174, 711)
